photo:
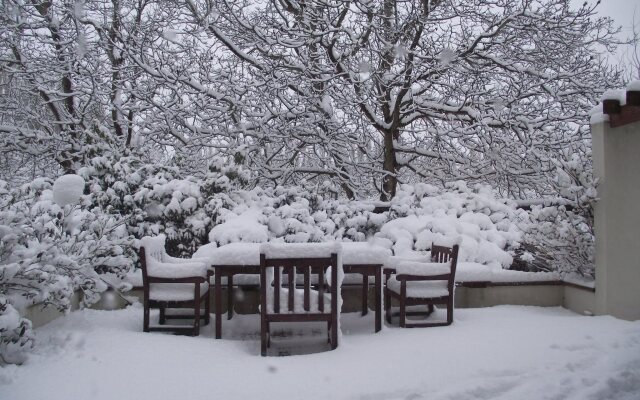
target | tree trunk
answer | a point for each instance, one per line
(390, 180)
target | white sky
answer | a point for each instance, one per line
(622, 12)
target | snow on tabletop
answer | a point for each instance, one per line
(363, 253)
(68, 189)
(300, 250)
(230, 254)
(535, 353)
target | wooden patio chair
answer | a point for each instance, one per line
(414, 283)
(282, 300)
(172, 283)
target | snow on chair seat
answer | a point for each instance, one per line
(175, 291)
(420, 289)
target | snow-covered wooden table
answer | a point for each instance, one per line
(243, 260)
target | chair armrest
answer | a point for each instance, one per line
(176, 270)
(411, 277)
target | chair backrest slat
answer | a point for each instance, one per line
(276, 288)
(307, 287)
(321, 290)
(291, 276)
(292, 267)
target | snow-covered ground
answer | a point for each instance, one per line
(505, 352)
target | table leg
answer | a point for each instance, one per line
(218, 299)
(365, 294)
(229, 296)
(378, 284)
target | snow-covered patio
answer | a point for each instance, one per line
(506, 352)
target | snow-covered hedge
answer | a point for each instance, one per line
(53, 242)
(491, 231)
(219, 207)
(49, 250)
(419, 215)
(16, 335)
(158, 199)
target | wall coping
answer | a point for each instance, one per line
(622, 113)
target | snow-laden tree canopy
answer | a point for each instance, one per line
(362, 94)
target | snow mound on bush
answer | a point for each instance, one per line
(247, 227)
(419, 215)
(68, 189)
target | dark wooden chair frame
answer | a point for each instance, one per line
(163, 305)
(307, 266)
(439, 254)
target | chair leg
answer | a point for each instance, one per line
(403, 312)
(207, 308)
(196, 316)
(365, 294)
(450, 311)
(229, 297)
(263, 338)
(145, 324)
(334, 332)
(163, 316)
(387, 306)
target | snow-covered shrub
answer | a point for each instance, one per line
(290, 214)
(419, 215)
(68, 189)
(47, 251)
(558, 239)
(559, 235)
(157, 199)
(490, 230)
(485, 227)
(16, 334)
